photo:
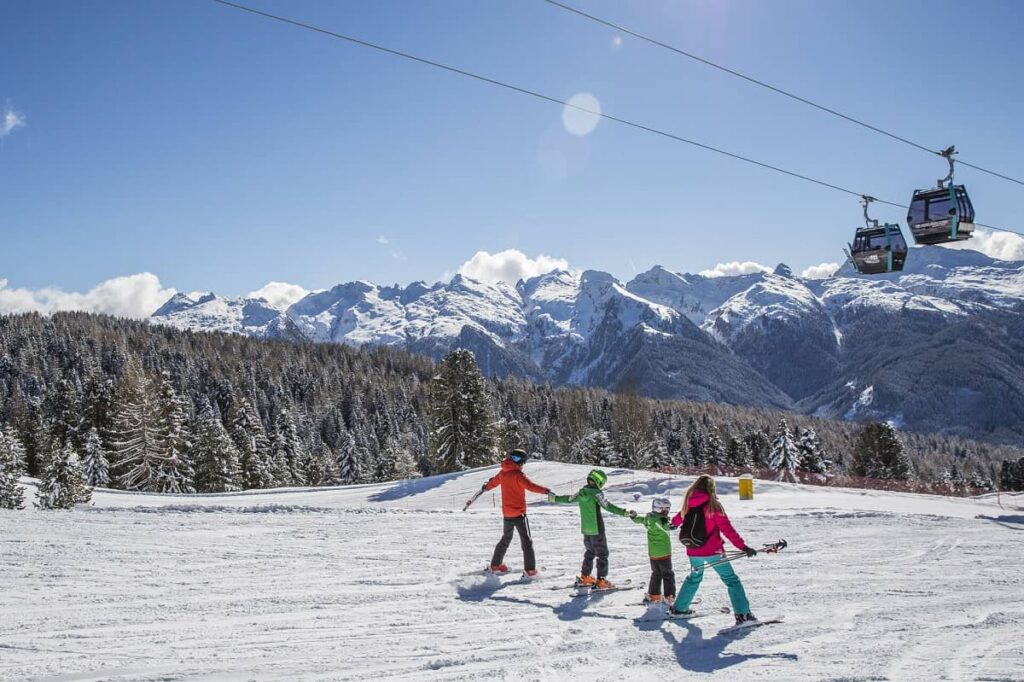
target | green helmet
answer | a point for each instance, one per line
(598, 477)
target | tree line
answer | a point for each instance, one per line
(141, 407)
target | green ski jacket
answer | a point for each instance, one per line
(659, 534)
(591, 500)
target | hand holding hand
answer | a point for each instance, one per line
(632, 514)
(551, 496)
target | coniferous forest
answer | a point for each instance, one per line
(142, 407)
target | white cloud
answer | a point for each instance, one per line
(131, 296)
(383, 240)
(11, 120)
(820, 271)
(993, 243)
(392, 251)
(509, 266)
(279, 294)
(734, 268)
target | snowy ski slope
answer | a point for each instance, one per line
(379, 582)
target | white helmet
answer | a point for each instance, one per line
(661, 505)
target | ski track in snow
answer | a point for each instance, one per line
(333, 585)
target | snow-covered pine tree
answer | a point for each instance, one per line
(175, 474)
(345, 460)
(463, 432)
(289, 456)
(597, 449)
(737, 454)
(811, 458)
(214, 454)
(95, 465)
(784, 454)
(246, 430)
(878, 453)
(132, 440)
(10, 442)
(659, 455)
(12, 495)
(760, 447)
(696, 440)
(714, 449)
(403, 465)
(63, 484)
(510, 435)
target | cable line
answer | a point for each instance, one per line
(556, 100)
(780, 91)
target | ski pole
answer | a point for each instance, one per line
(473, 499)
(767, 548)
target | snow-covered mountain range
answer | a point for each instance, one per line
(939, 346)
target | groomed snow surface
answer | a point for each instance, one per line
(382, 582)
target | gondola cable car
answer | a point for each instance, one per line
(943, 213)
(877, 248)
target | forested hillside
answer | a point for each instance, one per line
(154, 408)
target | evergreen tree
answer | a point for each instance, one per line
(597, 449)
(12, 495)
(246, 430)
(11, 444)
(811, 458)
(510, 436)
(737, 454)
(63, 484)
(346, 461)
(214, 454)
(463, 434)
(878, 453)
(785, 457)
(714, 449)
(696, 439)
(133, 440)
(95, 465)
(403, 465)
(1011, 475)
(760, 447)
(289, 452)
(174, 473)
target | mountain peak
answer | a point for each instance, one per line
(782, 270)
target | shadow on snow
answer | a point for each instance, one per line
(1011, 521)
(574, 609)
(699, 655)
(414, 486)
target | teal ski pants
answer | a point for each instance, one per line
(737, 595)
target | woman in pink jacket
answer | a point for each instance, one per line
(702, 497)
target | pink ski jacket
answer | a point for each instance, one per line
(716, 524)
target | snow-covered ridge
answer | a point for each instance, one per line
(760, 339)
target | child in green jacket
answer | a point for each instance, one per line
(659, 548)
(591, 500)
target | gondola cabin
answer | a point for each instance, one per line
(941, 215)
(878, 249)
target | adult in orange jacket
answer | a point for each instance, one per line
(514, 485)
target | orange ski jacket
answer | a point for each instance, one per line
(514, 485)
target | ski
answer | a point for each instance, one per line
(698, 613)
(696, 600)
(587, 591)
(750, 624)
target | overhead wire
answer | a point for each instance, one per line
(769, 86)
(555, 100)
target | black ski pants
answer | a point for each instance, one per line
(662, 575)
(596, 547)
(525, 539)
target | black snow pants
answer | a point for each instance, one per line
(662, 575)
(596, 546)
(525, 539)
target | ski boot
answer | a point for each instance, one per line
(531, 573)
(603, 584)
(584, 581)
(681, 614)
(651, 599)
(742, 618)
(498, 568)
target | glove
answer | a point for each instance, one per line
(750, 551)
(551, 496)
(632, 514)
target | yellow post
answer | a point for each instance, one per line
(747, 487)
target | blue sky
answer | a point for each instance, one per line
(219, 150)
